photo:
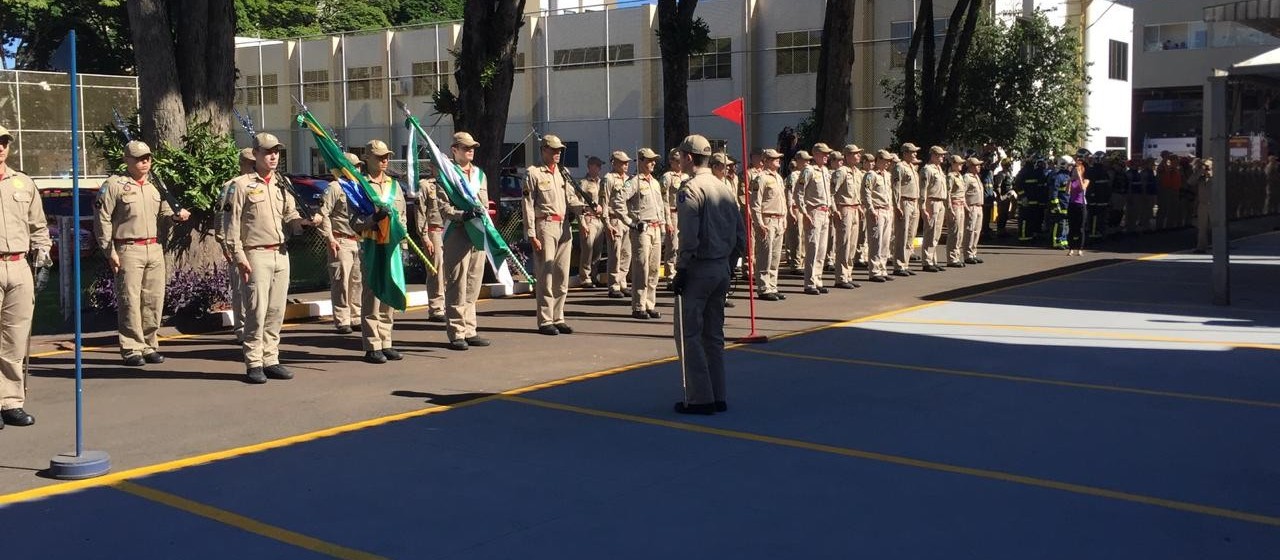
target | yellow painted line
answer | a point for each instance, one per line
(247, 524)
(1021, 379)
(1093, 333)
(917, 463)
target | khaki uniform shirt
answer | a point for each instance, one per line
(846, 187)
(335, 210)
(876, 190)
(127, 210)
(591, 187)
(477, 180)
(906, 180)
(814, 188)
(546, 195)
(22, 220)
(973, 189)
(671, 182)
(644, 202)
(613, 204)
(362, 223)
(933, 181)
(768, 197)
(428, 207)
(260, 210)
(955, 185)
(710, 224)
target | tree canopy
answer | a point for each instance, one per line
(31, 30)
(292, 18)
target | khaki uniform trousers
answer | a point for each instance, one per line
(879, 237)
(345, 282)
(973, 226)
(646, 250)
(551, 266)
(619, 256)
(376, 321)
(590, 247)
(864, 249)
(933, 231)
(769, 253)
(904, 231)
(264, 300)
(17, 303)
(464, 265)
(816, 247)
(794, 241)
(671, 243)
(139, 297)
(701, 321)
(435, 280)
(237, 300)
(847, 229)
(956, 220)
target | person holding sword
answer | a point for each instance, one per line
(548, 200)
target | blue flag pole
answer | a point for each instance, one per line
(84, 464)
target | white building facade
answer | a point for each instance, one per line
(589, 71)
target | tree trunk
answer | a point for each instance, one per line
(835, 73)
(958, 63)
(928, 77)
(910, 98)
(206, 54)
(489, 32)
(675, 24)
(163, 118)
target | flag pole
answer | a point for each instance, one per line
(754, 337)
(83, 464)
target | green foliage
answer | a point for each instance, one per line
(194, 173)
(808, 129)
(279, 19)
(1024, 86)
(445, 102)
(692, 39)
(36, 28)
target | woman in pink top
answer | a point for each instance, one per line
(1076, 210)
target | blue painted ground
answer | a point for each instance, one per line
(505, 479)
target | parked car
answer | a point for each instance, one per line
(87, 241)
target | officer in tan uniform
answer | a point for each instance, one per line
(646, 217)
(590, 226)
(973, 199)
(463, 263)
(24, 231)
(220, 235)
(860, 260)
(431, 231)
(378, 318)
(846, 194)
(956, 212)
(933, 189)
(671, 181)
(714, 236)
(906, 181)
(262, 210)
(619, 235)
(813, 199)
(344, 255)
(127, 225)
(768, 222)
(878, 202)
(794, 239)
(548, 203)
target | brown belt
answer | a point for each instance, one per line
(552, 218)
(140, 241)
(654, 223)
(936, 199)
(262, 247)
(11, 256)
(345, 236)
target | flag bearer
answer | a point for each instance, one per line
(463, 262)
(378, 317)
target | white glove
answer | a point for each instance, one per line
(42, 259)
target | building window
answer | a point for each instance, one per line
(1175, 36)
(1119, 68)
(594, 57)
(519, 63)
(516, 157)
(900, 39)
(252, 94)
(715, 64)
(569, 158)
(315, 85)
(798, 51)
(364, 82)
(429, 77)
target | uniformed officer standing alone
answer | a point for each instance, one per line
(262, 209)
(646, 216)
(377, 317)
(548, 201)
(24, 231)
(127, 225)
(344, 255)
(712, 236)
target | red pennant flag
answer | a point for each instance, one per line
(731, 111)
